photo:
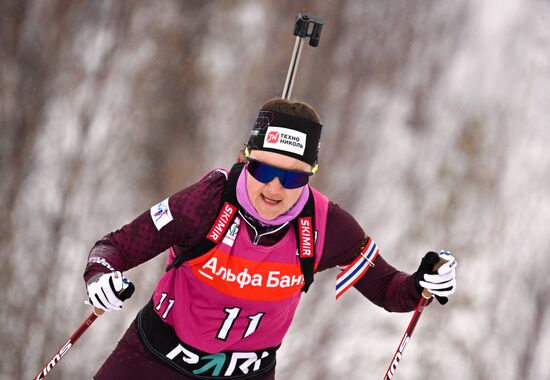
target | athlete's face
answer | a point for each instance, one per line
(272, 199)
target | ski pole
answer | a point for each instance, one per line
(301, 31)
(424, 299)
(126, 293)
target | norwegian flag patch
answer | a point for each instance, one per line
(353, 272)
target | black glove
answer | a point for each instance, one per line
(441, 282)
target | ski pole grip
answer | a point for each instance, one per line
(426, 293)
(123, 295)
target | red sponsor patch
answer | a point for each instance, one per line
(306, 237)
(218, 229)
(272, 137)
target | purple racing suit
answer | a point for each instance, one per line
(203, 298)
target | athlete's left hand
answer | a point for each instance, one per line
(440, 282)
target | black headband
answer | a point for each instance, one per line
(286, 134)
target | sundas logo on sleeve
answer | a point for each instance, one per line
(285, 139)
(160, 214)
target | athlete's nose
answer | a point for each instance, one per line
(274, 186)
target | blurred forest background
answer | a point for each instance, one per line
(436, 136)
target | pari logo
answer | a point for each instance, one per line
(285, 139)
(160, 214)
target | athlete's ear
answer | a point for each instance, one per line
(241, 157)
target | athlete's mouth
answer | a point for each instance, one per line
(270, 201)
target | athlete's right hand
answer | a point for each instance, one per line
(107, 291)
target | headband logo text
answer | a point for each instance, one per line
(285, 139)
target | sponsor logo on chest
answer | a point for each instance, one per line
(248, 279)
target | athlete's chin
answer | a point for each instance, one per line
(269, 214)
